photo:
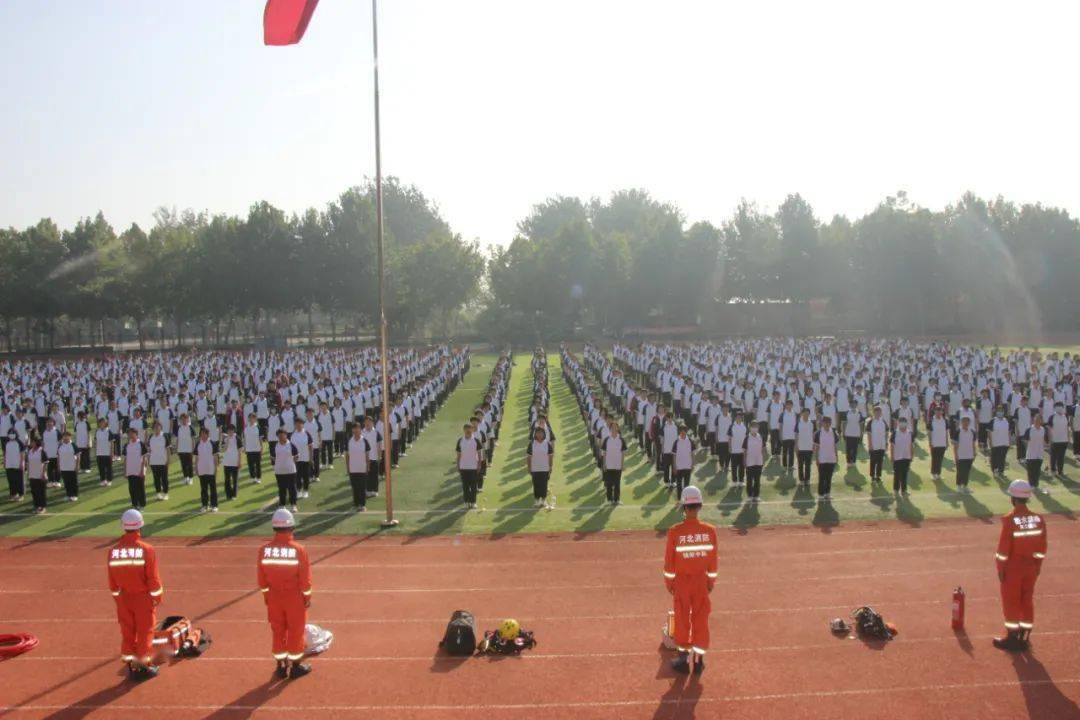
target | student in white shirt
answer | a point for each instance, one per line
(103, 452)
(737, 444)
(159, 460)
(1000, 439)
(82, 441)
(468, 449)
(614, 450)
(283, 454)
(356, 465)
(1058, 429)
(253, 447)
(135, 469)
(877, 440)
(50, 443)
(185, 447)
(67, 459)
(682, 453)
(230, 462)
(786, 422)
(14, 462)
(937, 430)
(754, 459)
(825, 448)
(804, 444)
(206, 462)
(539, 455)
(965, 445)
(901, 447)
(36, 461)
(375, 442)
(305, 445)
(1035, 441)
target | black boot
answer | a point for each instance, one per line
(699, 664)
(1022, 640)
(1011, 642)
(299, 670)
(282, 670)
(681, 664)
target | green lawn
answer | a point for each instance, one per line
(428, 494)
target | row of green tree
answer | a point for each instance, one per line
(976, 266)
(229, 274)
(574, 266)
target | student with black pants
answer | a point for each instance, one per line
(538, 458)
(356, 464)
(613, 451)
(284, 455)
(103, 453)
(825, 448)
(754, 458)
(67, 460)
(135, 460)
(469, 450)
(253, 446)
(901, 449)
(206, 462)
(804, 441)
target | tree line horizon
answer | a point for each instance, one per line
(601, 265)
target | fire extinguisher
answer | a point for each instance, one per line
(958, 609)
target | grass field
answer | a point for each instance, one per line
(427, 492)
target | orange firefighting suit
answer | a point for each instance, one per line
(136, 587)
(285, 581)
(689, 573)
(1020, 553)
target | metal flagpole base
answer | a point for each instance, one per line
(389, 523)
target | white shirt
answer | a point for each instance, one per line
(133, 458)
(965, 444)
(103, 444)
(614, 447)
(204, 458)
(357, 451)
(252, 439)
(230, 451)
(539, 456)
(66, 457)
(755, 450)
(901, 445)
(469, 449)
(159, 449)
(284, 463)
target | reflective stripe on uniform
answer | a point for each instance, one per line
(999, 556)
(116, 594)
(1026, 626)
(298, 656)
(265, 589)
(711, 575)
(692, 548)
(698, 650)
(156, 593)
(276, 561)
(1027, 533)
(119, 563)
(281, 656)
(307, 592)
(1039, 556)
(127, 658)
(1012, 625)
(669, 576)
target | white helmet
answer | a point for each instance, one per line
(131, 519)
(1020, 489)
(691, 495)
(283, 520)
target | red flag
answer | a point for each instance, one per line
(284, 21)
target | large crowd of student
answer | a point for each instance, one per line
(818, 401)
(211, 412)
(475, 449)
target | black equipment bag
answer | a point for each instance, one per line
(460, 637)
(870, 624)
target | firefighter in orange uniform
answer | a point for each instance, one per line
(285, 582)
(690, 573)
(136, 587)
(1020, 554)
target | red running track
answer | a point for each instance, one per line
(596, 603)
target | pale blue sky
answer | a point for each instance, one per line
(489, 107)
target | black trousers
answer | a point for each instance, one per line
(232, 475)
(723, 455)
(15, 481)
(1076, 443)
(468, 485)
(806, 457)
(997, 458)
(738, 470)
(1034, 469)
(877, 461)
(84, 458)
(71, 482)
(286, 489)
(39, 492)
(774, 442)
(254, 462)
(1057, 456)
(667, 464)
(137, 490)
(327, 450)
(303, 475)
(395, 452)
(682, 479)
(936, 456)
(824, 477)
(540, 480)
(787, 453)
(613, 485)
(161, 478)
(374, 470)
(984, 434)
(358, 482)
(186, 468)
(851, 448)
(1021, 449)
(52, 471)
(340, 437)
(900, 472)
(963, 472)
(104, 468)
(208, 490)
(753, 481)
(316, 468)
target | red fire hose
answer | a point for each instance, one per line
(17, 644)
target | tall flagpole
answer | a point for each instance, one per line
(390, 520)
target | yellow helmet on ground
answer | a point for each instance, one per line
(509, 629)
